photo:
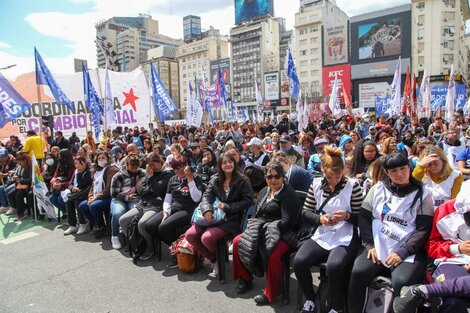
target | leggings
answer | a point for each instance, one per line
(205, 240)
(364, 271)
(338, 264)
(167, 230)
(127, 218)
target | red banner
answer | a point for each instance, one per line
(344, 77)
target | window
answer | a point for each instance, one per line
(421, 61)
(303, 63)
(315, 62)
(420, 34)
(421, 20)
(314, 51)
(303, 20)
(303, 74)
(420, 5)
(313, 17)
(314, 73)
(303, 52)
(314, 29)
(314, 40)
(304, 86)
(303, 42)
(420, 47)
(302, 31)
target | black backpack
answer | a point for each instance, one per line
(135, 242)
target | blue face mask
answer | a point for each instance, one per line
(268, 140)
(285, 149)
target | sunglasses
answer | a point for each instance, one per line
(269, 177)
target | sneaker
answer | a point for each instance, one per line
(19, 218)
(83, 228)
(309, 306)
(11, 211)
(215, 270)
(411, 297)
(70, 230)
(115, 242)
(173, 263)
(4, 209)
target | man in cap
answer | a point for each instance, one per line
(118, 155)
(257, 155)
(364, 126)
(314, 163)
(449, 246)
(292, 155)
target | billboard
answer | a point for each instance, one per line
(285, 87)
(344, 76)
(247, 10)
(381, 36)
(271, 86)
(224, 67)
(368, 92)
(335, 43)
(378, 69)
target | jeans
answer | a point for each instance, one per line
(59, 203)
(94, 212)
(4, 190)
(118, 208)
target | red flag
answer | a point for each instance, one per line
(412, 107)
(347, 102)
(406, 92)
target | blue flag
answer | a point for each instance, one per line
(382, 106)
(223, 91)
(11, 102)
(294, 83)
(92, 101)
(163, 105)
(44, 77)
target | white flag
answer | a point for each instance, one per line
(40, 190)
(450, 97)
(395, 99)
(424, 98)
(194, 111)
(466, 108)
(334, 98)
(108, 103)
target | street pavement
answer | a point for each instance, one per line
(46, 271)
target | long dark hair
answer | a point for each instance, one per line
(65, 162)
(23, 156)
(359, 162)
(235, 175)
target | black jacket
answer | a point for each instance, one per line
(152, 190)
(239, 199)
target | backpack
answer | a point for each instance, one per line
(379, 296)
(135, 242)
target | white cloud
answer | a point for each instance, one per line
(4, 45)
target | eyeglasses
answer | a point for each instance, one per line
(269, 177)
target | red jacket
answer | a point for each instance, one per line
(437, 247)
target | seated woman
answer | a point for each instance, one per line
(22, 181)
(99, 197)
(7, 167)
(233, 193)
(207, 165)
(449, 245)
(276, 213)
(436, 173)
(151, 192)
(79, 188)
(49, 168)
(332, 206)
(394, 222)
(184, 192)
(365, 152)
(124, 194)
(61, 180)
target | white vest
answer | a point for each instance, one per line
(98, 182)
(259, 162)
(441, 192)
(451, 153)
(394, 221)
(452, 227)
(330, 237)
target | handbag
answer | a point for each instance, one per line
(81, 194)
(379, 296)
(218, 216)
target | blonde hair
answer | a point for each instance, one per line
(332, 160)
(446, 168)
(376, 170)
(386, 145)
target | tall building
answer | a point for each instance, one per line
(164, 60)
(438, 32)
(191, 56)
(315, 24)
(191, 28)
(129, 38)
(255, 53)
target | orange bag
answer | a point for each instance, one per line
(188, 263)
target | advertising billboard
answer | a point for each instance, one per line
(285, 87)
(344, 76)
(368, 92)
(247, 10)
(271, 86)
(381, 36)
(224, 67)
(335, 43)
(378, 69)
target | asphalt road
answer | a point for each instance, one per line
(49, 272)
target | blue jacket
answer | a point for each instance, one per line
(299, 178)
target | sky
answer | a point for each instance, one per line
(62, 30)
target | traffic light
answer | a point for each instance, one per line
(48, 121)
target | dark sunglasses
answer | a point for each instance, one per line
(269, 177)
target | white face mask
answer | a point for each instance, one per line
(102, 163)
(50, 162)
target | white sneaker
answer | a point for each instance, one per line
(71, 230)
(115, 242)
(215, 270)
(309, 306)
(4, 209)
(83, 228)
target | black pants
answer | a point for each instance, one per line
(364, 271)
(17, 199)
(338, 265)
(72, 210)
(167, 231)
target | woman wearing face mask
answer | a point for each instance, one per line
(332, 206)
(394, 222)
(99, 197)
(49, 168)
(61, 179)
(79, 188)
(436, 173)
(124, 193)
(275, 141)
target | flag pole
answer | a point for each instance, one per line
(150, 93)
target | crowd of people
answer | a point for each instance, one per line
(383, 196)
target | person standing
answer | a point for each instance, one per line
(35, 144)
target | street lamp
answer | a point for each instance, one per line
(7, 67)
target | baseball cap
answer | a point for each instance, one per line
(320, 141)
(255, 141)
(285, 138)
(116, 150)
